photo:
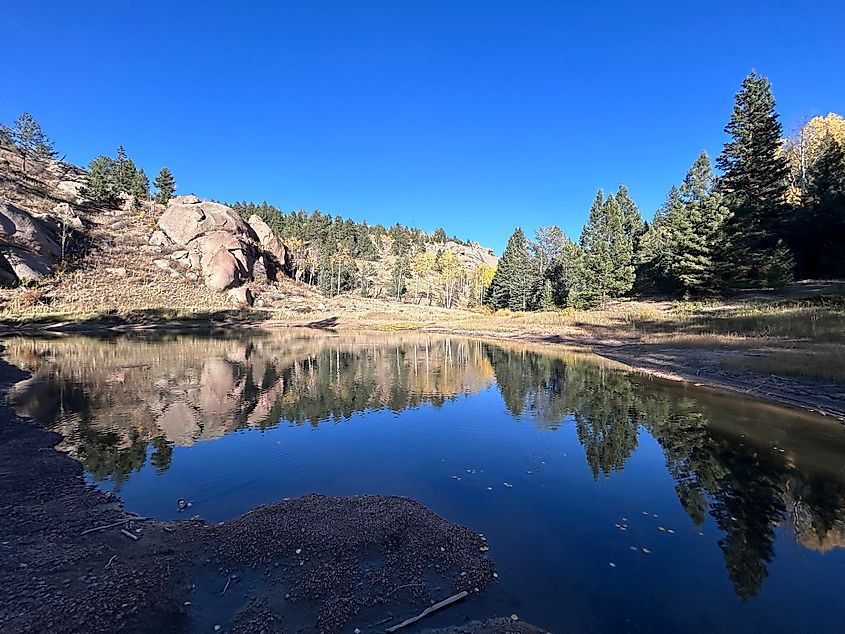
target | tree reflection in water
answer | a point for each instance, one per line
(118, 402)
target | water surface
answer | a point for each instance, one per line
(611, 501)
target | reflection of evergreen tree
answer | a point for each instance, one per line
(162, 454)
(747, 507)
(103, 458)
(606, 421)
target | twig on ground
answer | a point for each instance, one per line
(226, 587)
(131, 536)
(114, 524)
(437, 606)
(113, 557)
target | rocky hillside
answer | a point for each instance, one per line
(61, 255)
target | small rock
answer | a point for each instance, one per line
(164, 265)
(514, 617)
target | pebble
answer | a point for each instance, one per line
(357, 631)
(514, 617)
(495, 575)
(216, 628)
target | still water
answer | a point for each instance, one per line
(611, 501)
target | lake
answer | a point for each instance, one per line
(611, 501)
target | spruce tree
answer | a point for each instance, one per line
(99, 188)
(140, 187)
(754, 182)
(510, 286)
(696, 226)
(607, 264)
(165, 185)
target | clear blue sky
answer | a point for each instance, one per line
(477, 116)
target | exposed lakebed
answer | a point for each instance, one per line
(610, 501)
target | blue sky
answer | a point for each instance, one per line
(474, 116)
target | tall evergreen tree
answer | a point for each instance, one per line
(696, 227)
(99, 188)
(607, 270)
(30, 140)
(632, 219)
(165, 185)
(511, 285)
(755, 183)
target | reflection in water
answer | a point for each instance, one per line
(120, 402)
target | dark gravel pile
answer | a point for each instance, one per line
(347, 558)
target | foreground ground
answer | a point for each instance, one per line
(787, 346)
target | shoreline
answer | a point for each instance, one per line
(700, 367)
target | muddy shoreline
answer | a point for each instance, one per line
(313, 563)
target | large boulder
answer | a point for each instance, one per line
(267, 239)
(22, 230)
(186, 219)
(28, 246)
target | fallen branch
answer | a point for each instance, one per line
(437, 606)
(131, 536)
(226, 587)
(114, 524)
(113, 557)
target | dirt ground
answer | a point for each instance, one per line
(313, 563)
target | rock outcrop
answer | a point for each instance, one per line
(28, 246)
(275, 256)
(214, 241)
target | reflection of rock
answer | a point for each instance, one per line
(179, 423)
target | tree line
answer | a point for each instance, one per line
(339, 255)
(775, 213)
(108, 178)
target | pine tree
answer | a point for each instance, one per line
(754, 182)
(511, 284)
(99, 188)
(140, 188)
(30, 140)
(695, 227)
(547, 297)
(632, 219)
(607, 269)
(124, 172)
(165, 185)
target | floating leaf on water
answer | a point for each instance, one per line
(489, 488)
(612, 565)
(484, 549)
(670, 531)
(661, 529)
(495, 575)
(634, 548)
(508, 484)
(646, 551)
